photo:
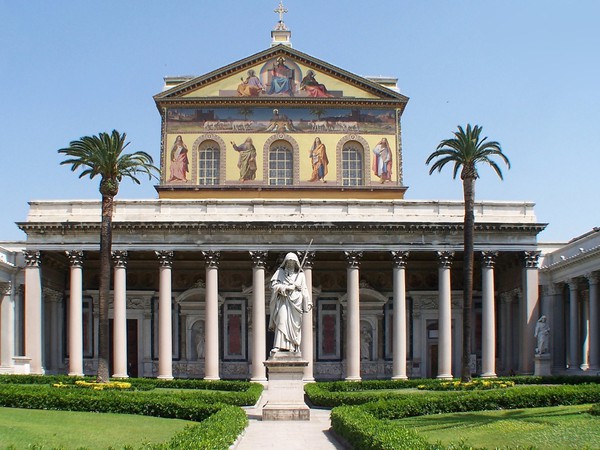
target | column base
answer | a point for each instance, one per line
(489, 375)
(400, 377)
(76, 374)
(212, 378)
(165, 377)
(445, 376)
(584, 367)
(353, 379)
(118, 375)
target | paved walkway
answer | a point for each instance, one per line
(310, 434)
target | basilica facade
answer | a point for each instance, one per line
(274, 153)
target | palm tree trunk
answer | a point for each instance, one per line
(469, 231)
(104, 289)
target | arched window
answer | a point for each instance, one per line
(281, 164)
(352, 164)
(208, 163)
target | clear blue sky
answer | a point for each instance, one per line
(527, 71)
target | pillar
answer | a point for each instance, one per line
(585, 334)
(75, 341)
(445, 316)
(7, 330)
(593, 279)
(165, 324)
(399, 335)
(306, 343)
(353, 317)
(211, 324)
(573, 355)
(33, 311)
(119, 258)
(488, 325)
(530, 310)
(259, 371)
(52, 330)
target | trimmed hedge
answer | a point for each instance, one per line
(338, 393)
(240, 393)
(595, 410)
(368, 426)
(219, 426)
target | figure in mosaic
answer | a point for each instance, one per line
(289, 300)
(312, 87)
(319, 160)
(246, 159)
(251, 86)
(281, 79)
(382, 162)
(179, 161)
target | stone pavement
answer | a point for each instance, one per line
(310, 434)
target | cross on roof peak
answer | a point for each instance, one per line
(281, 10)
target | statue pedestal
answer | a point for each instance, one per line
(286, 388)
(543, 365)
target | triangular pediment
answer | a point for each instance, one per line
(283, 73)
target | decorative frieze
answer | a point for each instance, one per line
(445, 259)
(32, 258)
(353, 259)
(307, 258)
(165, 258)
(75, 257)
(259, 259)
(212, 258)
(5, 287)
(400, 259)
(531, 259)
(119, 258)
(489, 259)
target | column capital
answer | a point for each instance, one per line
(259, 259)
(573, 284)
(531, 259)
(212, 258)
(119, 258)
(353, 259)
(400, 259)
(308, 258)
(32, 258)
(165, 258)
(75, 257)
(489, 258)
(5, 287)
(593, 278)
(445, 259)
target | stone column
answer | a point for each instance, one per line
(75, 313)
(33, 311)
(211, 324)
(119, 258)
(585, 334)
(165, 321)
(353, 317)
(52, 335)
(399, 335)
(259, 344)
(488, 325)
(573, 355)
(7, 330)
(445, 316)
(593, 279)
(306, 343)
(530, 310)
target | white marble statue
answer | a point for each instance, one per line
(366, 340)
(289, 299)
(542, 333)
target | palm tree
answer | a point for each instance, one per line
(466, 150)
(103, 155)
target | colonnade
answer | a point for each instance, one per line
(528, 313)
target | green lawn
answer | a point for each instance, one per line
(24, 428)
(563, 427)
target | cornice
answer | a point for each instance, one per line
(63, 227)
(575, 259)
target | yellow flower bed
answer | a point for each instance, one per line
(469, 386)
(96, 386)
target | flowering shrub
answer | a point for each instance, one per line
(473, 385)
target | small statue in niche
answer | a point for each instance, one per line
(542, 333)
(366, 341)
